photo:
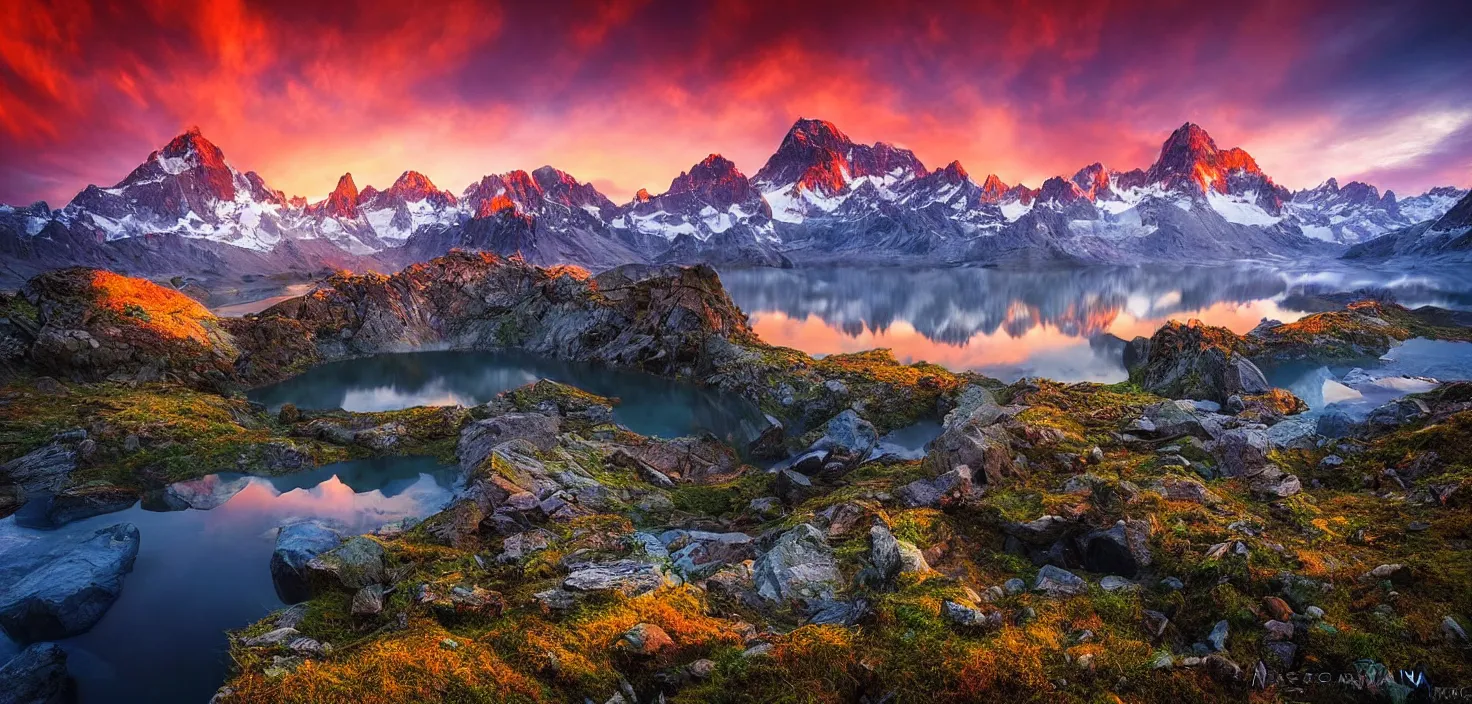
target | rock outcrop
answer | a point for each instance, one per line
(37, 675)
(1196, 361)
(64, 593)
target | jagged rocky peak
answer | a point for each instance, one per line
(815, 155)
(715, 181)
(1360, 192)
(1019, 194)
(993, 189)
(1060, 190)
(953, 173)
(1092, 180)
(1190, 162)
(1190, 156)
(512, 190)
(496, 205)
(412, 187)
(191, 151)
(530, 193)
(341, 203)
(561, 187)
(187, 187)
(1459, 217)
(189, 157)
(711, 200)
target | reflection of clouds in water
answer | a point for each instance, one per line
(388, 398)
(437, 392)
(649, 405)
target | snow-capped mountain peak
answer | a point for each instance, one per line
(817, 168)
(186, 188)
(710, 199)
(819, 195)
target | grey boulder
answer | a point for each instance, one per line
(849, 434)
(296, 545)
(799, 565)
(68, 591)
(355, 564)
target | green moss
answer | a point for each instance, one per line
(721, 500)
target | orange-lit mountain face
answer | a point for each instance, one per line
(342, 202)
(1190, 160)
(816, 156)
(993, 189)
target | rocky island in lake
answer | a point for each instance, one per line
(1190, 534)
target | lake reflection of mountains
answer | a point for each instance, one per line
(953, 305)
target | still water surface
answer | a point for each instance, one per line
(203, 571)
(648, 405)
(1050, 322)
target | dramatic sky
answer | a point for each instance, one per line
(627, 93)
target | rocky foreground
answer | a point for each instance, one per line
(1181, 537)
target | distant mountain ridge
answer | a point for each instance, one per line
(820, 197)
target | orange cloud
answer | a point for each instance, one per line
(631, 92)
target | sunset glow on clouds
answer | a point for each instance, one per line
(627, 94)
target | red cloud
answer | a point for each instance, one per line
(629, 93)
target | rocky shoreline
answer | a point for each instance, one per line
(1177, 536)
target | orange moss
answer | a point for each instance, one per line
(162, 310)
(412, 666)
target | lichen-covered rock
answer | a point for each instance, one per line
(884, 553)
(368, 601)
(1243, 452)
(455, 603)
(848, 434)
(1180, 488)
(44, 469)
(799, 565)
(65, 592)
(697, 554)
(97, 325)
(521, 545)
(970, 618)
(644, 639)
(1169, 419)
(1121, 550)
(792, 487)
(479, 438)
(355, 564)
(978, 443)
(1056, 582)
(950, 486)
(627, 577)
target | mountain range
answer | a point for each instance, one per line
(821, 197)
